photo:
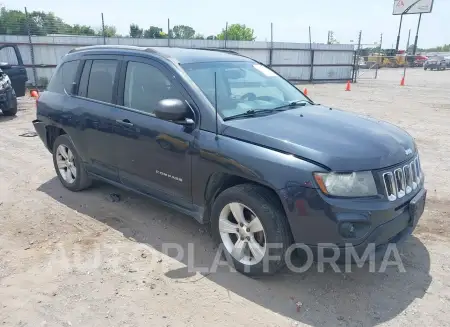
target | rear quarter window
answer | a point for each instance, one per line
(64, 78)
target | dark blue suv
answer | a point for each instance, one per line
(228, 141)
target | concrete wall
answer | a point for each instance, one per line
(292, 60)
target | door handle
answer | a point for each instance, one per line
(125, 122)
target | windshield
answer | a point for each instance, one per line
(242, 86)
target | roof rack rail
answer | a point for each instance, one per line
(112, 46)
(217, 49)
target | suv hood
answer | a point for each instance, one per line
(339, 140)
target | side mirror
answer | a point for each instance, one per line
(4, 65)
(174, 110)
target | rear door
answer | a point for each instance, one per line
(95, 108)
(11, 63)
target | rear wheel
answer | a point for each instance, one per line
(68, 165)
(252, 227)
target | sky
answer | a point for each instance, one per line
(290, 18)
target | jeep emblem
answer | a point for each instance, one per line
(408, 151)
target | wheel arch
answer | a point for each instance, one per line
(219, 182)
(52, 133)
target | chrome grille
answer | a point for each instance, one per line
(402, 180)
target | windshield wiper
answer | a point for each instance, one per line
(249, 113)
(253, 112)
(293, 104)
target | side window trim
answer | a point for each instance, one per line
(76, 82)
(84, 79)
(166, 72)
(82, 90)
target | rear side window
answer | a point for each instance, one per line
(101, 80)
(64, 78)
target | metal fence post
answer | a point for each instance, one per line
(355, 60)
(226, 35)
(168, 32)
(271, 45)
(311, 53)
(33, 62)
(103, 30)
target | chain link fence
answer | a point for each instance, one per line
(43, 39)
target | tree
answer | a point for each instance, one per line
(110, 31)
(135, 31)
(183, 32)
(153, 32)
(81, 30)
(14, 22)
(238, 32)
(331, 38)
(199, 36)
(47, 23)
(441, 48)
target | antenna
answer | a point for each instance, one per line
(215, 104)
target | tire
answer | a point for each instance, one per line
(425, 68)
(74, 182)
(12, 110)
(257, 203)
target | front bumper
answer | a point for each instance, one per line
(317, 221)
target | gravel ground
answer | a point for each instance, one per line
(82, 259)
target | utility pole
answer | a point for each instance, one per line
(406, 57)
(398, 35)
(379, 55)
(417, 35)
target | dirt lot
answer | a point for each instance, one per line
(80, 259)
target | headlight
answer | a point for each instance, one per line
(351, 185)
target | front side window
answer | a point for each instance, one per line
(101, 80)
(242, 86)
(145, 86)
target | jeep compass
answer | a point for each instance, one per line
(231, 143)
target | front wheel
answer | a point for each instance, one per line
(425, 68)
(250, 223)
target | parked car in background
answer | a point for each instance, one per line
(420, 60)
(447, 61)
(14, 67)
(435, 62)
(8, 99)
(228, 141)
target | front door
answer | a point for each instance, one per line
(154, 154)
(11, 63)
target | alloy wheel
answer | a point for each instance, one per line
(65, 161)
(242, 233)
